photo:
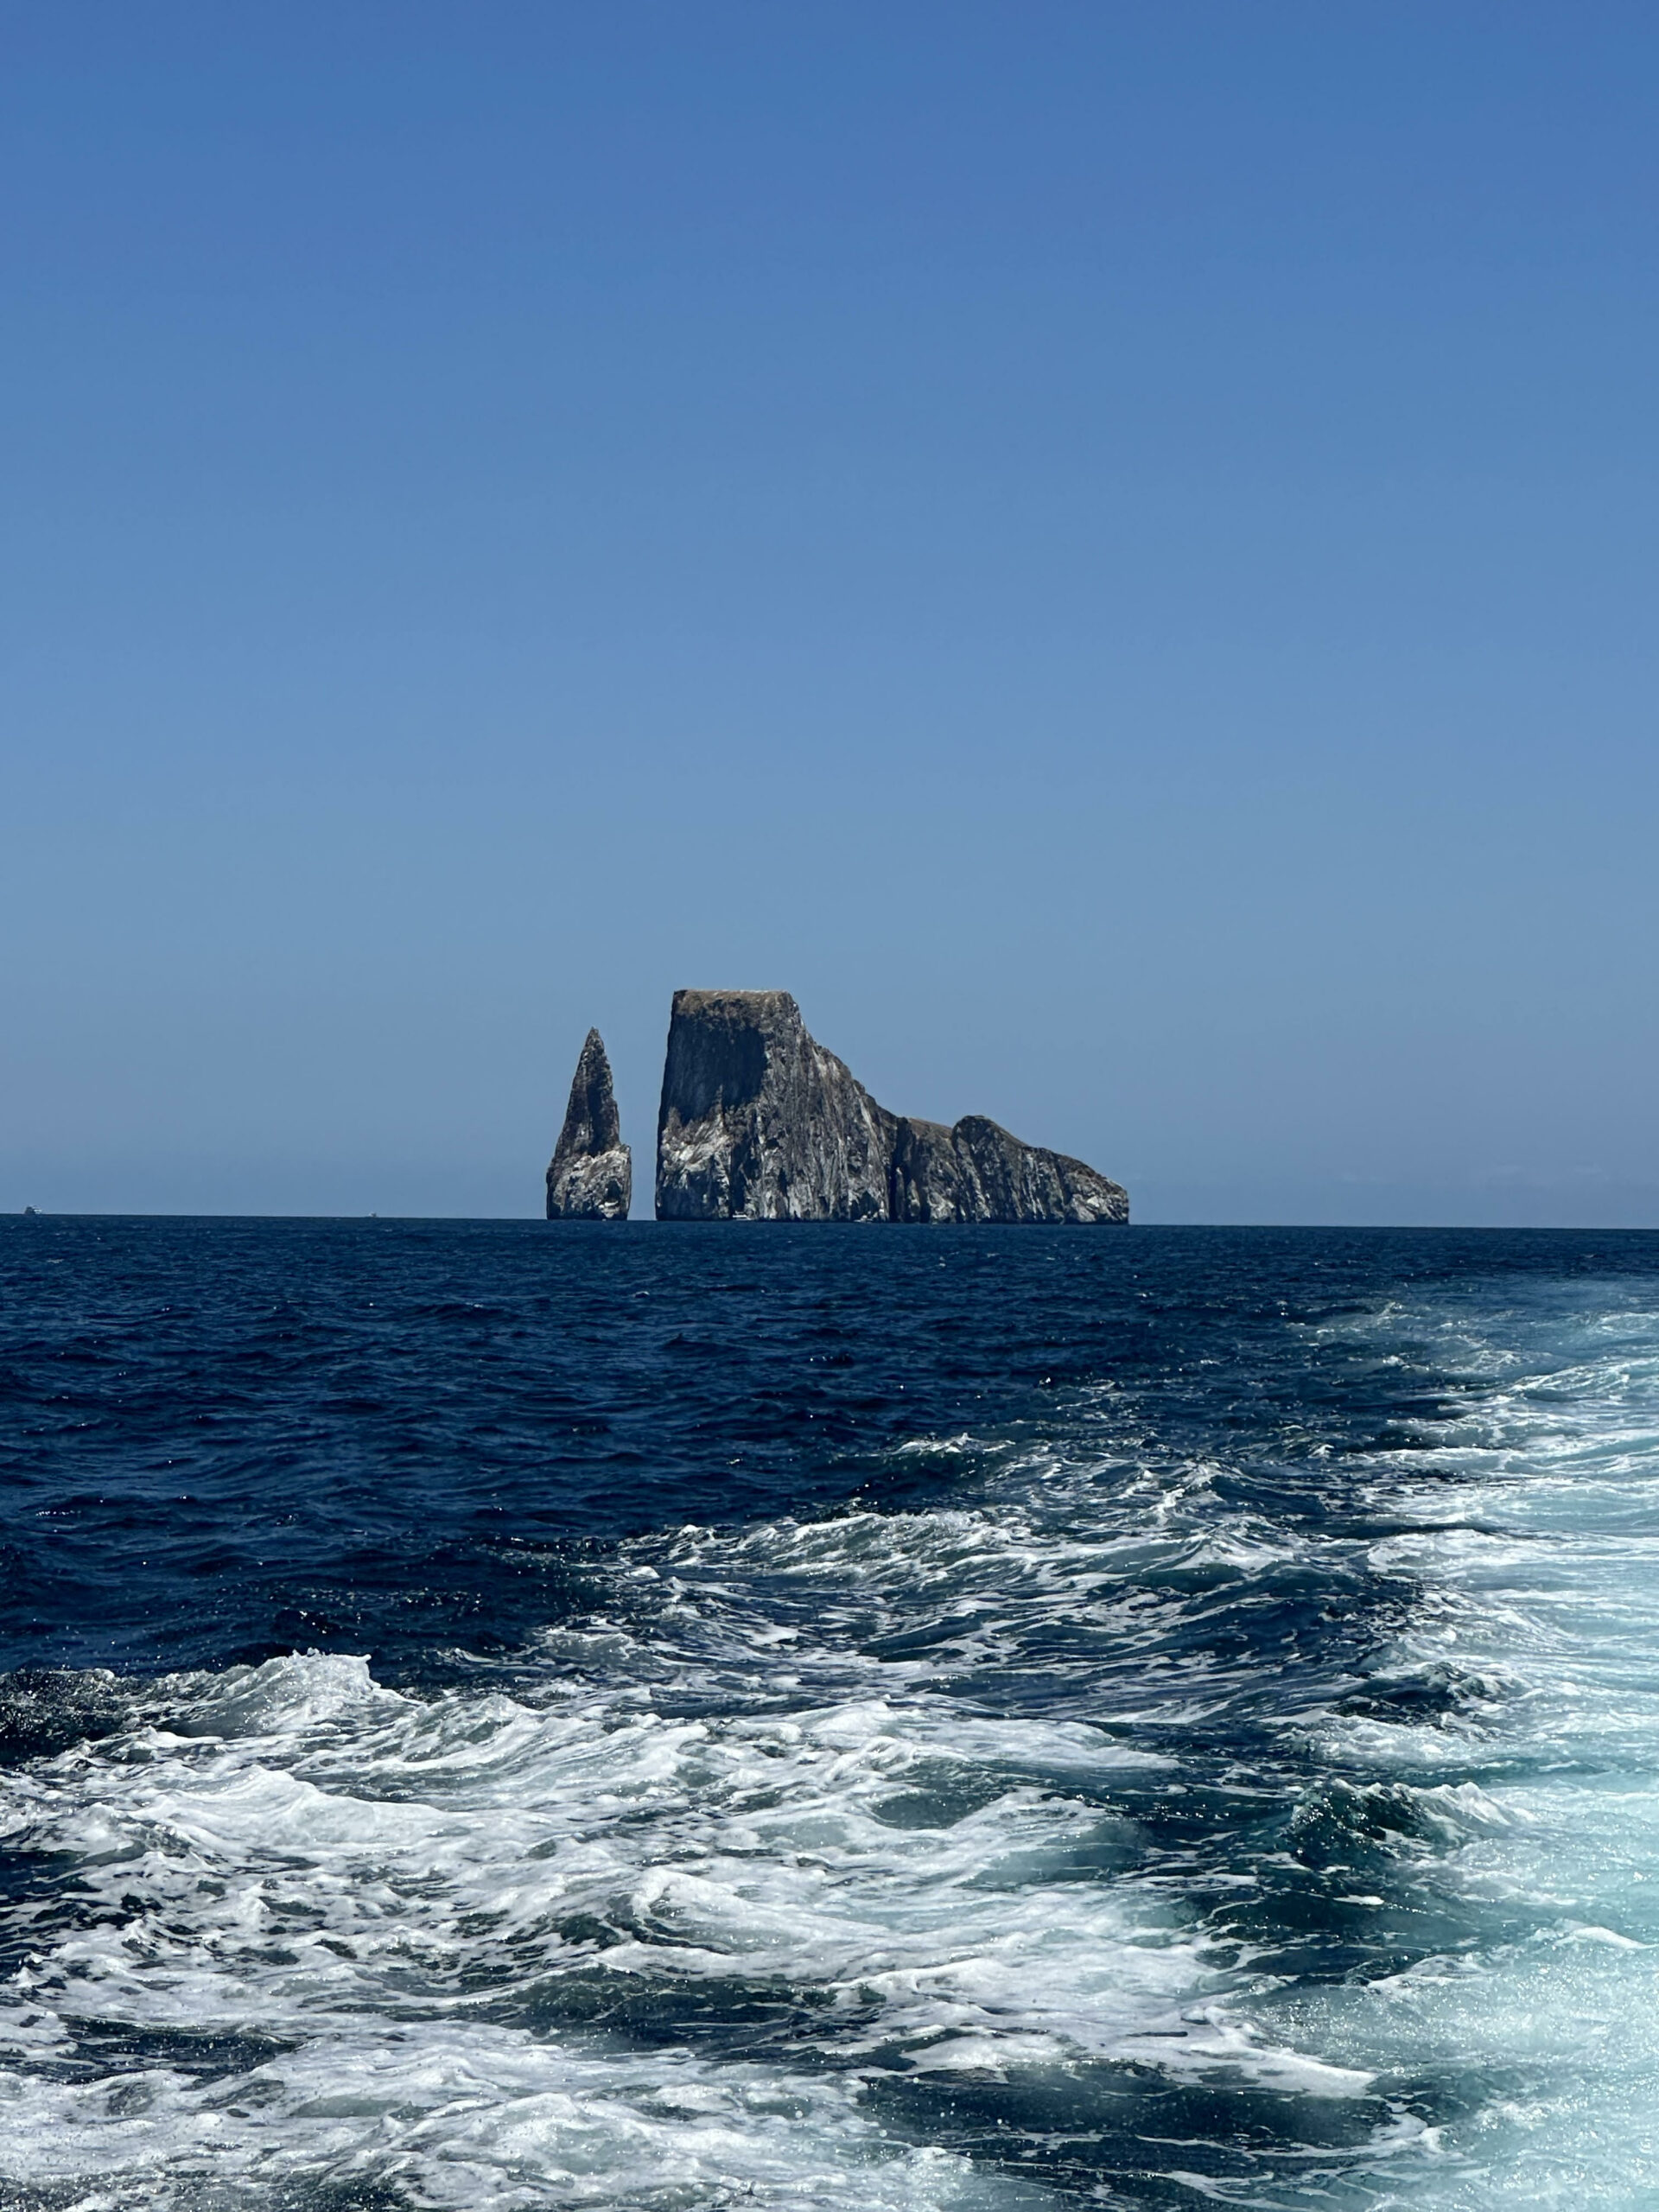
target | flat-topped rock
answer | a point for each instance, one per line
(759, 1122)
(591, 1175)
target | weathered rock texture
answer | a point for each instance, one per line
(591, 1176)
(759, 1123)
(977, 1172)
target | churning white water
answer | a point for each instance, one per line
(1005, 1853)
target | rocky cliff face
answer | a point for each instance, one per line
(759, 1123)
(591, 1176)
(977, 1172)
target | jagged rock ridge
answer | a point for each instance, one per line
(977, 1172)
(591, 1175)
(759, 1122)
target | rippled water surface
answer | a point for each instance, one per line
(511, 1715)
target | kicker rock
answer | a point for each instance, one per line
(591, 1177)
(759, 1123)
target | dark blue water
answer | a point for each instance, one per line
(524, 1714)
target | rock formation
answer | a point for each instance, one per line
(759, 1123)
(977, 1172)
(591, 1176)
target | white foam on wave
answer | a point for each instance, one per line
(383, 1882)
(454, 1947)
(461, 2116)
(1532, 1813)
(435, 1904)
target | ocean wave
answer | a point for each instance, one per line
(1152, 1815)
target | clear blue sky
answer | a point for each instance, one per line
(1110, 549)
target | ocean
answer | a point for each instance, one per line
(513, 1715)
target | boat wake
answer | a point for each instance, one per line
(1134, 1825)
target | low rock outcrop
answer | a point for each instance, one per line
(591, 1175)
(759, 1122)
(977, 1172)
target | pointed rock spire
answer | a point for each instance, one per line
(591, 1175)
